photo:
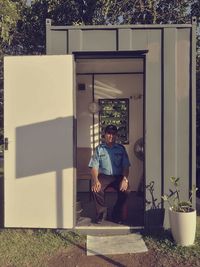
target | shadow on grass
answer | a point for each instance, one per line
(162, 241)
(158, 234)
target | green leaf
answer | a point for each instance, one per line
(165, 197)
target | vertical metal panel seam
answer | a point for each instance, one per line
(81, 40)
(192, 106)
(74, 133)
(144, 136)
(93, 119)
(2, 214)
(117, 39)
(190, 117)
(48, 37)
(67, 41)
(176, 103)
(162, 115)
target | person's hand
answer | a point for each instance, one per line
(96, 187)
(124, 185)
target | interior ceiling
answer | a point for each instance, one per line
(109, 65)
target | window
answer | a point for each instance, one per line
(115, 111)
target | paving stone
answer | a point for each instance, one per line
(117, 244)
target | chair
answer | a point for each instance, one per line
(83, 171)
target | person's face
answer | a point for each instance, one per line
(110, 137)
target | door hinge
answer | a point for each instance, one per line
(6, 143)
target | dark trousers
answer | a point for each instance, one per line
(99, 197)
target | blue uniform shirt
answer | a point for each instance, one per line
(110, 160)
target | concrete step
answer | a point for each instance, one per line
(107, 228)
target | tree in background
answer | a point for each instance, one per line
(30, 31)
(148, 11)
(9, 17)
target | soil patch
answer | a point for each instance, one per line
(76, 257)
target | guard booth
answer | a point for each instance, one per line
(139, 77)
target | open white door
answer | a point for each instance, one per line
(39, 156)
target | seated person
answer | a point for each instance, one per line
(109, 168)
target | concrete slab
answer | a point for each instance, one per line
(118, 244)
(83, 221)
(99, 231)
(107, 228)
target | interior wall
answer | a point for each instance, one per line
(126, 86)
(111, 86)
(84, 117)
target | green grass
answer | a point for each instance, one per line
(32, 247)
(27, 247)
(162, 243)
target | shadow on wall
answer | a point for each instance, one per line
(43, 147)
(46, 147)
(154, 213)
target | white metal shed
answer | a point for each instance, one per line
(47, 117)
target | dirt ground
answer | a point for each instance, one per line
(76, 257)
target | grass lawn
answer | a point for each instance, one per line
(20, 247)
(27, 247)
(162, 243)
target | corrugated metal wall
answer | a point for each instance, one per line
(170, 90)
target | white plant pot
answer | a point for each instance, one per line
(183, 227)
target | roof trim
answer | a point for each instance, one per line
(109, 54)
(115, 27)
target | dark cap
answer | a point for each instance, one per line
(111, 128)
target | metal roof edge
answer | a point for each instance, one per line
(115, 27)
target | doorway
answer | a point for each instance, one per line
(110, 91)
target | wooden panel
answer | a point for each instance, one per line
(83, 158)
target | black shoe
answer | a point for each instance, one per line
(101, 217)
(118, 221)
(116, 218)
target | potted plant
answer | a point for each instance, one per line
(182, 216)
(154, 213)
